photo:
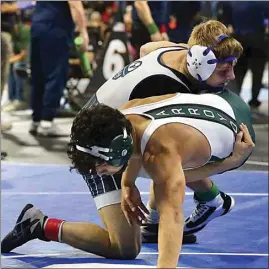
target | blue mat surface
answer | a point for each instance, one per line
(237, 240)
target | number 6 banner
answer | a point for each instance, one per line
(112, 59)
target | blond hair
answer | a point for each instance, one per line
(207, 33)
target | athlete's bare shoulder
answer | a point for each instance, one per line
(152, 46)
(183, 45)
(149, 100)
(175, 45)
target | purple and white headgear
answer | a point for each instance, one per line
(202, 62)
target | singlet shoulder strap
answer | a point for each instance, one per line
(176, 47)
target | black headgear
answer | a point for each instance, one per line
(118, 153)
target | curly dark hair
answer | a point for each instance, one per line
(94, 126)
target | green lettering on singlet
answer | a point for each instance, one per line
(240, 108)
(195, 111)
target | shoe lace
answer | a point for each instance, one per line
(200, 209)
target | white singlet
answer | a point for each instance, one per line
(211, 114)
(142, 78)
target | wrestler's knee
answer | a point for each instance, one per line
(124, 239)
(129, 249)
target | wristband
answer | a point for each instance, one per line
(152, 28)
(162, 28)
(84, 61)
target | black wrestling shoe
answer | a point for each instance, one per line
(207, 211)
(150, 234)
(29, 226)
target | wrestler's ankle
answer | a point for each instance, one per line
(153, 216)
(53, 229)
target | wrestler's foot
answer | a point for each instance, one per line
(29, 226)
(150, 234)
(207, 211)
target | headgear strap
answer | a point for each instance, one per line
(95, 150)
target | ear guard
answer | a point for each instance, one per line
(117, 154)
(202, 62)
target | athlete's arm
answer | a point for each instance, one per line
(144, 14)
(9, 7)
(131, 203)
(151, 46)
(169, 191)
(79, 18)
(207, 171)
(242, 149)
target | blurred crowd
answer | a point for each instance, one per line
(38, 56)
(37, 45)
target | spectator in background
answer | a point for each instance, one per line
(96, 30)
(20, 40)
(251, 33)
(207, 9)
(52, 34)
(127, 18)
(183, 17)
(247, 20)
(8, 13)
(224, 14)
(110, 7)
(150, 20)
(5, 55)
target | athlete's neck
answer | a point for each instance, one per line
(182, 66)
(177, 60)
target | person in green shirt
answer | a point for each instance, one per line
(19, 59)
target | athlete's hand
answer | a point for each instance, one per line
(156, 37)
(165, 37)
(85, 37)
(242, 148)
(132, 205)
